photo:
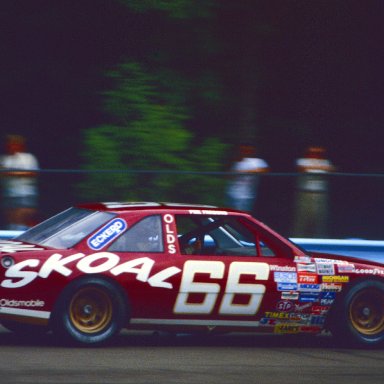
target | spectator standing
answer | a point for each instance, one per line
(242, 189)
(20, 192)
(311, 210)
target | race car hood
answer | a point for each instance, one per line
(12, 246)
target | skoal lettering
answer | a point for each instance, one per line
(20, 274)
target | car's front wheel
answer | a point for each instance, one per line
(360, 318)
(90, 311)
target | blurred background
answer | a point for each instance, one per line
(149, 100)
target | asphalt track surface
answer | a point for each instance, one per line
(147, 358)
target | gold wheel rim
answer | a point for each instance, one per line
(367, 312)
(91, 310)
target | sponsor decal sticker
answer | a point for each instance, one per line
(326, 301)
(282, 268)
(107, 234)
(372, 271)
(285, 277)
(170, 233)
(320, 309)
(335, 279)
(285, 306)
(289, 295)
(286, 287)
(303, 307)
(277, 315)
(331, 287)
(309, 288)
(317, 320)
(207, 212)
(307, 278)
(309, 267)
(309, 297)
(265, 322)
(287, 328)
(338, 262)
(302, 318)
(328, 295)
(345, 268)
(302, 259)
(325, 268)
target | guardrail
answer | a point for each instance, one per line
(372, 250)
(355, 208)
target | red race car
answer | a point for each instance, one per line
(94, 269)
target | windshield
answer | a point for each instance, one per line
(66, 229)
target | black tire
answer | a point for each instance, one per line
(90, 311)
(359, 318)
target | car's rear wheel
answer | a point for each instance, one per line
(90, 311)
(361, 316)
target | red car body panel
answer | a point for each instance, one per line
(287, 292)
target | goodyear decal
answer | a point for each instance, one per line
(107, 234)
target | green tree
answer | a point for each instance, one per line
(168, 103)
(152, 154)
(218, 46)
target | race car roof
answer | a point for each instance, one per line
(126, 206)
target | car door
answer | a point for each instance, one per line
(232, 274)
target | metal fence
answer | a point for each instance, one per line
(356, 204)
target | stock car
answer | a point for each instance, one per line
(94, 269)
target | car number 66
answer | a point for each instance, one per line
(211, 290)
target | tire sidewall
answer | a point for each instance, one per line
(64, 328)
(345, 329)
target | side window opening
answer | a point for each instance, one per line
(144, 236)
(218, 235)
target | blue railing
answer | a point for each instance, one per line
(364, 249)
(8, 235)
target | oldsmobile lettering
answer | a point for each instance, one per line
(21, 303)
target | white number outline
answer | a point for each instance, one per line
(234, 287)
(216, 270)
